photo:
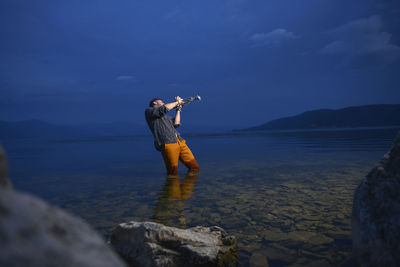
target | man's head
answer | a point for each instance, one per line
(156, 102)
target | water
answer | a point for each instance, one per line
(286, 196)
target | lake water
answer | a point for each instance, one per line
(286, 196)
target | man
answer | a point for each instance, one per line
(166, 139)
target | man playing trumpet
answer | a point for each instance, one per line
(166, 139)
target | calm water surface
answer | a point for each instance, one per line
(286, 196)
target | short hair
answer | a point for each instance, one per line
(151, 101)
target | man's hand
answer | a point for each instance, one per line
(178, 102)
(179, 99)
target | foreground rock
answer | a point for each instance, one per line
(376, 213)
(33, 233)
(4, 181)
(153, 244)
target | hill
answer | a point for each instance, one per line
(350, 117)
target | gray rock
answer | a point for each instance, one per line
(376, 213)
(4, 181)
(33, 233)
(153, 244)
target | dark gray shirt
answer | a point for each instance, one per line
(162, 126)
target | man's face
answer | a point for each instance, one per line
(158, 103)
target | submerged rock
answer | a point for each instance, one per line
(4, 181)
(376, 213)
(258, 259)
(33, 233)
(153, 244)
(280, 253)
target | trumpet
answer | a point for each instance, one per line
(190, 99)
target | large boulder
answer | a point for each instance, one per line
(4, 181)
(153, 244)
(376, 213)
(33, 233)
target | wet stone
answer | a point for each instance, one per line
(320, 239)
(300, 236)
(274, 236)
(258, 260)
(280, 254)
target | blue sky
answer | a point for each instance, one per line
(252, 61)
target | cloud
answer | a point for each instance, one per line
(126, 78)
(362, 37)
(273, 38)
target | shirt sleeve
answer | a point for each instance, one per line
(157, 112)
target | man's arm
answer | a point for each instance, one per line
(174, 104)
(157, 112)
(177, 120)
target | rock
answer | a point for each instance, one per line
(309, 237)
(274, 236)
(33, 233)
(153, 244)
(280, 254)
(320, 239)
(4, 181)
(258, 259)
(376, 213)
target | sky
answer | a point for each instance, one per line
(71, 62)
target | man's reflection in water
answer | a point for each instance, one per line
(169, 209)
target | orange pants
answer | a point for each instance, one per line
(174, 152)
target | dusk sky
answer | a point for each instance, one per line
(252, 61)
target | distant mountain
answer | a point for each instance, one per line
(350, 117)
